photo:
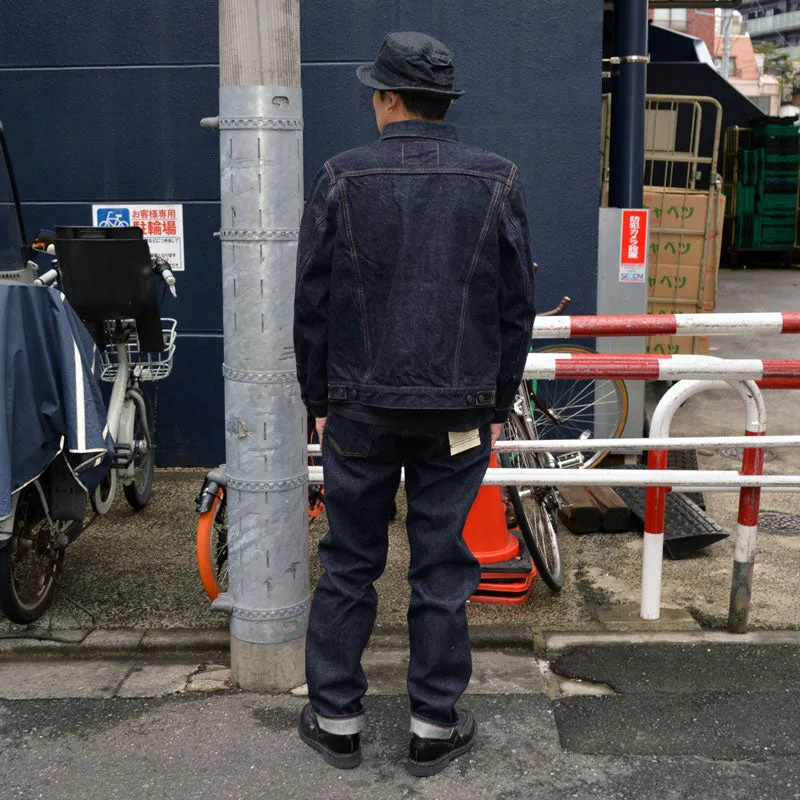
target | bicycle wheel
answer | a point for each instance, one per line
(212, 547)
(103, 496)
(137, 489)
(30, 564)
(535, 507)
(588, 409)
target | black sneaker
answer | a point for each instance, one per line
(342, 751)
(429, 756)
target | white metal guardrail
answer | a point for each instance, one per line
(698, 374)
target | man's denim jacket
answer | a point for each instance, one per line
(414, 276)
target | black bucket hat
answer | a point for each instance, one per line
(412, 62)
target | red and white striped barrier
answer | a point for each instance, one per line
(666, 325)
(749, 498)
(696, 374)
(585, 366)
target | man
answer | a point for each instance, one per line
(413, 318)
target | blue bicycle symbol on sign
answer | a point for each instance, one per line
(113, 217)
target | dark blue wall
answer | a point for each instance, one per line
(101, 102)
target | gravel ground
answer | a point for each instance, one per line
(138, 570)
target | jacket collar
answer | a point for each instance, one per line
(421, 128)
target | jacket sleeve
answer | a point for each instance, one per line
(515, 296)
(312, 290)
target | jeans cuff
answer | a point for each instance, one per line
(341, 726)
(427, 730)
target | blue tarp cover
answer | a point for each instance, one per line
(50, 400)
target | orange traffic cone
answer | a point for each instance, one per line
(507, 573)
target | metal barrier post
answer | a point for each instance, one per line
(747, 528)
(652, 557)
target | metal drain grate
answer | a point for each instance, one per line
(778, 522)
(736, 452)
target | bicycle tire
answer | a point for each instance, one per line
(31, 526)
(599, 406)
(137, 491)
(211, 547)
(102, 497)
(537, 513)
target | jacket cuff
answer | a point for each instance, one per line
(500, 415)
(317, 409)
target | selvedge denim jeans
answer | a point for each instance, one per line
(362, 475)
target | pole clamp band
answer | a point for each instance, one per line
(267, 235)
(245, 376)
(261, 123)
(627, 60)
(259, 487)
(272, 614)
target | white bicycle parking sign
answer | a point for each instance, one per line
(161, 224)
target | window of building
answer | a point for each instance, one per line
(731, 65)
(762, 102)
(675, 18)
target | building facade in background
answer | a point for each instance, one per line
(744, 72)
(773, 21)
(102, 105)
(744, 67)
(699, 22)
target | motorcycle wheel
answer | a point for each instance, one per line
(30, 563)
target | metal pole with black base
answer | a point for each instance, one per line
(261, 147)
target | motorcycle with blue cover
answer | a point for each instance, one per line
(54, 446)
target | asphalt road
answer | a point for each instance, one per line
(709, 721)
(242, 746)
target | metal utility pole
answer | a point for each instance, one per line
(628, 96)
(727, 19)
(261, 150)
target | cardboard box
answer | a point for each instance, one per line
(684, 261)
(677, 209)
(675, 345)
(678, 345)
(679, 271)
(678, 284)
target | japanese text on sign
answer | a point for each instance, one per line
(633, 253)
(161, 224)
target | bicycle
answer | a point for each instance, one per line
(131, 420)
(126, 365)
(568, 415)
(211, 541)
(48, 513)
(565, 409)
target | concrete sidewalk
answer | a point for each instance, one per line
(611, 721)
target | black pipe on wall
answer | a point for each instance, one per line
(628, 93)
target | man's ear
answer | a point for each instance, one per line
(393, 100)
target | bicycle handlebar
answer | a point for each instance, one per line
(47, 278)
(554, 312)
(161, 268)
